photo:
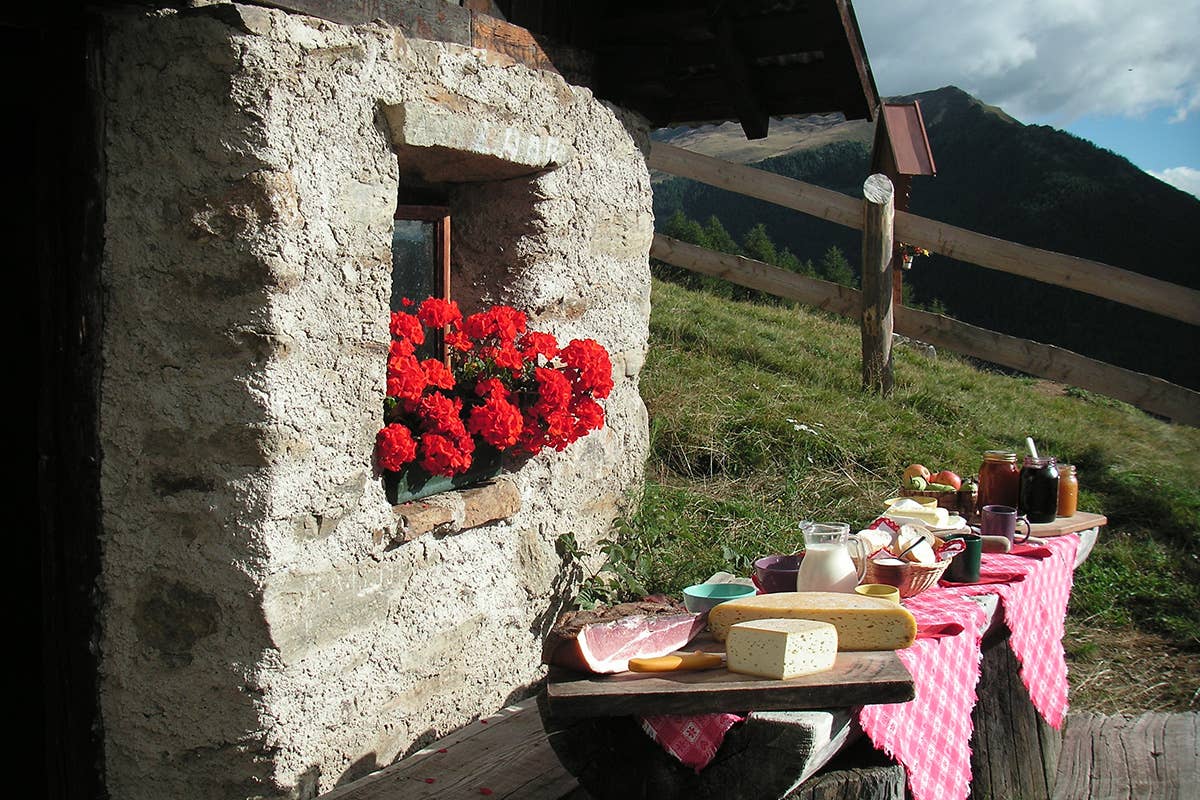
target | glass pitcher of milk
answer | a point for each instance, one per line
(827, 565)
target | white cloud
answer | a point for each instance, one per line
(1184, 178)
(1041, 60)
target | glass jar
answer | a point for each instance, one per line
(1068, 490)
(1038, 495)
(999, 479)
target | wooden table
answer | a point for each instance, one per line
(856, 679)
(588, 722)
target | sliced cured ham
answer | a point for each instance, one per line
(603, 641)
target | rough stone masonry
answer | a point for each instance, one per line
(260, 638)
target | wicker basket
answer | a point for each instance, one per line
(909, 578)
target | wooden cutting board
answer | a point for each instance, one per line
(856, 679)
(1080, 521)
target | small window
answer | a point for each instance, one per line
(421, 261)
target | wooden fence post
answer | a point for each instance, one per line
(877, 319)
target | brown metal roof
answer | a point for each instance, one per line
(909, 143)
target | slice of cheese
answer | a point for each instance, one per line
(781, 648)
(863, 623)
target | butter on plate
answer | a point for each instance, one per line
(906, 510)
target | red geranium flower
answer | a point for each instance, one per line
(591, 366)
(406, 326)
(502, 322)
(440, 414)
(535, 344)
(489, 386)
(438, 313)
(508, 322)
(405, 378)
(508, 358)
(437, 373)
(588, 414)
(440, 455)
(458, 340)
(533, 395)
(554, 390)
(497, 422)
(560, 429)
(395, 446)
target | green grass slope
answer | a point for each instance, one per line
(758, 421)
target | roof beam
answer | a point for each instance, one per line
(739, 80)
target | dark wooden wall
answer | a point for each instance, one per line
(52, 59)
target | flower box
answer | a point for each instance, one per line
(503, 393)
(415, 483)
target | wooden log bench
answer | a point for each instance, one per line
(1153, 756)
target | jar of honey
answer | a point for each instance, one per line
(999, 479)
(1068, 490)
(1037, 498)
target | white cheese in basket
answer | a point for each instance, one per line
(863, 623)
(781, 648)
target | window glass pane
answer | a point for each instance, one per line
(413, 268)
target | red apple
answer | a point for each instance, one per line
(948, 478)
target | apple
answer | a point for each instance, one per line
(915, 471)
(948, 478)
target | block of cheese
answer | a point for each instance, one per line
(863, 623)
(781, 648)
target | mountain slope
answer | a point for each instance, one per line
(1026, 183)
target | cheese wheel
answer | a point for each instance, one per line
(781, 648)
(863, 623)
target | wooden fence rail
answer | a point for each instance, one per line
(1144, 391)
(1092, 277)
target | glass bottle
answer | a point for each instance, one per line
(1068, 490)
(1038, 495)
(999, 479)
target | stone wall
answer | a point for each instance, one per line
(265, 633)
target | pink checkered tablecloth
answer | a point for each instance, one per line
(930, 736)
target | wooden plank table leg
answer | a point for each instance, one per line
(1014, 752)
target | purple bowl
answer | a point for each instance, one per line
(776, 573)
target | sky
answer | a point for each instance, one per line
(1124, 75)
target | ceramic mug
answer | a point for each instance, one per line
(965, 566)
(1002, 521)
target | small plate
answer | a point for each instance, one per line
(953, 522)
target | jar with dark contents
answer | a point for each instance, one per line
(1068, 490)
(999, 479)
(1038, 494)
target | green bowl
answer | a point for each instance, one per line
(704, 596)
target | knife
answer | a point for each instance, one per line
(676, 663)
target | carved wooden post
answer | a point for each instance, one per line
(877, 284)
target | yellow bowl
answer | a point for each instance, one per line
(880, 590)
(928, 502)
